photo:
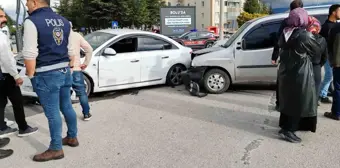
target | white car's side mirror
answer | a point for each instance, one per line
(109, 52)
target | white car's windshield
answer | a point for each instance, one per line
(96, 39)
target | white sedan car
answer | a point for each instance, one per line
(124, 58)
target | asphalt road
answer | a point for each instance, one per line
(166, 127)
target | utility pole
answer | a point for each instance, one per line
(221, 19)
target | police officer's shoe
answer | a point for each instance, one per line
(49, 155)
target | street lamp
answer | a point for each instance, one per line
(18, 34)
(221, 19)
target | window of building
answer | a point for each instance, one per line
(202, 15)
(225, 3)
(202, 3)
(232, 4)
(202, 26)
(217, 2)
(262, 37)
(169, 3)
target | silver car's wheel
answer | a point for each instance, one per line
(216, 81)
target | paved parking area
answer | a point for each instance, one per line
(166, 127)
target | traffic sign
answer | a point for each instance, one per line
(114, 24)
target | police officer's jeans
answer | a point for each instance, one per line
(79, 87)
(54, 91)
(336, 93)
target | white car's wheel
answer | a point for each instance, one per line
(174, 77)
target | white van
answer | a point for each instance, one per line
(246, 56)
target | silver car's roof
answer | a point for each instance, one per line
(284, 15)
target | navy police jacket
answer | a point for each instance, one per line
(53, 38)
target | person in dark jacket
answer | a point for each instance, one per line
(319, 58)
(334, 60)
(293, 5)
(334, 15)
(298, 100)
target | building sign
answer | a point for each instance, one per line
(176, 20)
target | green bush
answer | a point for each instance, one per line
(245, 16)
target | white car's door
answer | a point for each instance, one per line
(120, 68)
(156, 57)
(253, 54)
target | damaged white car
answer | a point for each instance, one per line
(125, 59)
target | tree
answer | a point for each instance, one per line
(245, 16)
(252, 9)
(154, 10)
(141, 13)
(98, 14)
(255, 6)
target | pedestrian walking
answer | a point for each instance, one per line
(334, 60)
(10, 81)
(298, 100)
(48, 56)
(293, 5)
(78, 43)
(5, 153)
(333, 16)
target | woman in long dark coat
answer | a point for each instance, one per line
(298, 100)
(318, 60)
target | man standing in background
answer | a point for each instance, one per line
(48, 56)
(334, 58)
(78, 85)
(333, 16)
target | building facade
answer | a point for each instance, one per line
(208, 12)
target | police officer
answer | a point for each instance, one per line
(48, 58)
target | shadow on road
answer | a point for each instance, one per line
(240, 88)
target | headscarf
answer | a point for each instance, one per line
(298, 18)
(314, 25)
